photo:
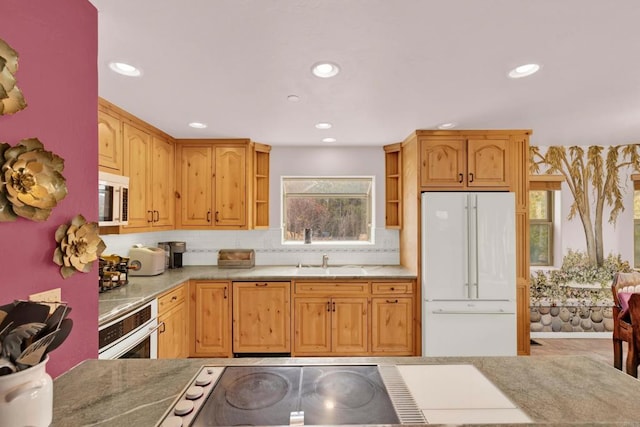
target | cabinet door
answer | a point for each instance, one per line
(443, 163)
(349, 326)
(261, 317)
(312, 326)
(211, 328)
(110, 156)
(391, 325)
(487, 163)
(230, 186)
(138, 168)
(196, 185)
(163, 182)
(172, 334)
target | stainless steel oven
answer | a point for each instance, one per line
(132, 336)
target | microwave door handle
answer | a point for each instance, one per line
(152, 330)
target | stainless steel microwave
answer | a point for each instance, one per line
(113, 199)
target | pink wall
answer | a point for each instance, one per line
(58, 44)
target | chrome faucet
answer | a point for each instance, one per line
(325, 261)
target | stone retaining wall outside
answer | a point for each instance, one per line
(571, 319)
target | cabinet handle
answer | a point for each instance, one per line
(461, 178)
(209, 216)
(217, 214)
(334, 306)
(328, 306)
(471, 177)
(392, 301)
(393, 289)
(225, 292)
(157, 217)
(149, 215)
(173, 298)
(161, 327)
(262, 285)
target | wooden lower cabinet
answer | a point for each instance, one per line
(173, 324)
(210, 331)
(261, 317)
(335, 326)
(391, 326)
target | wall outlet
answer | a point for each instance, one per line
(52, 298)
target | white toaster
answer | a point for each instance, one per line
(146, 261)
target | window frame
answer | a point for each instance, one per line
(371, 210)
(549, 222)
(552, 184)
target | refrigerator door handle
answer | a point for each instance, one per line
(472, 312)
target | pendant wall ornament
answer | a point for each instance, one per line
(11, 99)
(31, 181)
(79, 244)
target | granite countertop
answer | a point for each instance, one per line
(140, 290)
(550, 390)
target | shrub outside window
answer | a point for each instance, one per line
(541, 227)
(336, 209)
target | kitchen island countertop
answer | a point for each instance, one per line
(555, 390)
(139, 290)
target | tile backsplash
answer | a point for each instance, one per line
(203, 246)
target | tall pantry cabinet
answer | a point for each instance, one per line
(464, 160)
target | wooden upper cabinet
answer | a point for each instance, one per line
(149, 164)
(487, 163)
(110, 150)
(461, 163)
(137, 167)
(393, 185)
(163, 183)
(261, 186)
(443, 163)
(196, 181)
(218, 187)
(231, 186)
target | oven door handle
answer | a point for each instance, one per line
(152, 330)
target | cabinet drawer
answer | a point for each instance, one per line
(392, 288)
(331, 288)
(171, 299)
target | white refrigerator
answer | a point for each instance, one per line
(468, 274)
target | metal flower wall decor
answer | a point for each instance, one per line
(11, 99)
(79, 244)
(31, 181)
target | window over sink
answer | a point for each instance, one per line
(335, 209)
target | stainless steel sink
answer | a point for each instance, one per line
(331, 271)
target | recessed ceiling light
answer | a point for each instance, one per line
(323, 125)
(293, 98)
(125, 69)
(449, 125)
(328, 140)
(524, 70)
(325, 69)
(198, 125)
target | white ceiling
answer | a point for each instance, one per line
(405, 65)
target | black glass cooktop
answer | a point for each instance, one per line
(268, 395)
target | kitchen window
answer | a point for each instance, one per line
(544, 218)
(541, 227)
(636, 220)
(336, 209)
